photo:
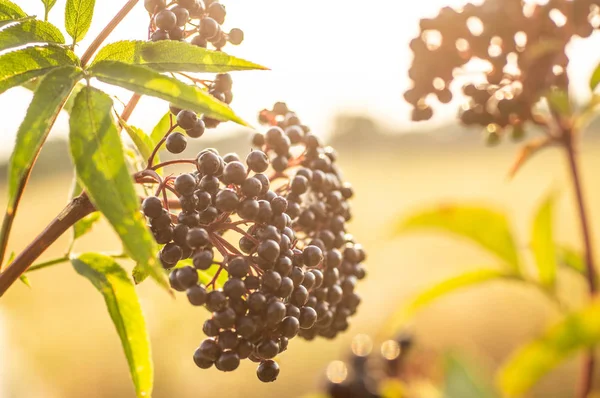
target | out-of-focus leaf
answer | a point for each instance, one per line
(85, 225)
(578, 331)
(30, 31)
(595, 79)
(140, 139)
(47, 102)
(390, 388)
(101, 169)
(161, 128)
(25, 279)
(78, 18)
(28, 63)
(571, 258)
(461, 380)
(559, 102)
(126, 313)
(146, 81)
(542, 243)
(9, 12)
(441, 289)
(527, 151)
(173, 56)
(482, 225)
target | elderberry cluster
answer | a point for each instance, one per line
(197, 20)
(521, 45)
(275, 225)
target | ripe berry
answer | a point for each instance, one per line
(236, 36)
(257, 161)
(257, 302)
(152, 207)
(238, 267)
(234, 173)
(225, 318)
(187, 277)
(170, 255)
(228, 340)
(299, 296)
(227, 200)
(176, 33)
(223, 82)
(176, 143)
(312, 256)
(280, 108)
(185, 184)
(275, 312)
(197, 131)
(209, 349)
(248, 209)
(209, 28)
(165, 20)
(308, 317)
(217, 12)
(159, 35)
(267, 371)
(228, 361)
(234, 287)
(198, 237)
(268, 250)
(216, 300)
(187, 119)
(210, 328)
(197, 295)
(182, 14)
(251, 187)
(289, 327)
(153, 6)
(199, 41)
(267, 349)
(208, 163)
(202, 362)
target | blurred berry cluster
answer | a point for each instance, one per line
(520, 45)
(274, 224)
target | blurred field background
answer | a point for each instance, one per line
(57, 339)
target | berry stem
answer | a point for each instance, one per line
(157, 147)
(133, 102)
(586, 381)
(91, 50)
(77, 209)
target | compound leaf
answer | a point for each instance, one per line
(126, 313)
(30, 31)
(10, 12)
(78, 18)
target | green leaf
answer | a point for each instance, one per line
(578, 331)
(10, 12)
(559, 102)
(140, 139)
(595, 79)
(461, 380)
(101, 169)
(571, 258)
(542, 243)
(48, 99)
(145, 81)
(30, 31)
(78, 18)
(173, 56)
(85, 225)
(25, 279)
(161, 128)
(482, 225)
(48, 4)
(23, 65)
(441, 289)
(126, 313)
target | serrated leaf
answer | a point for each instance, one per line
(10, 12)
(578, 331)
(484, 226)
(85, 225)
(48, 99)
(30, 31)
(126, 313)
(146, 81)
(441, 289)
(571, 258)
(140, 139)
(173, 56)
(78, 18)
(23, 65)
(462, 380)
(542, 243)
(101, 169)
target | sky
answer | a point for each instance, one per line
(326, 57)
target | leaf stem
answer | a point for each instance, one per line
(48, 263)
(77, 209)
(91, 50)
(586, 381)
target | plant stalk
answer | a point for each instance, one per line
(587, 373)
(91, 50)
(77, 209)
